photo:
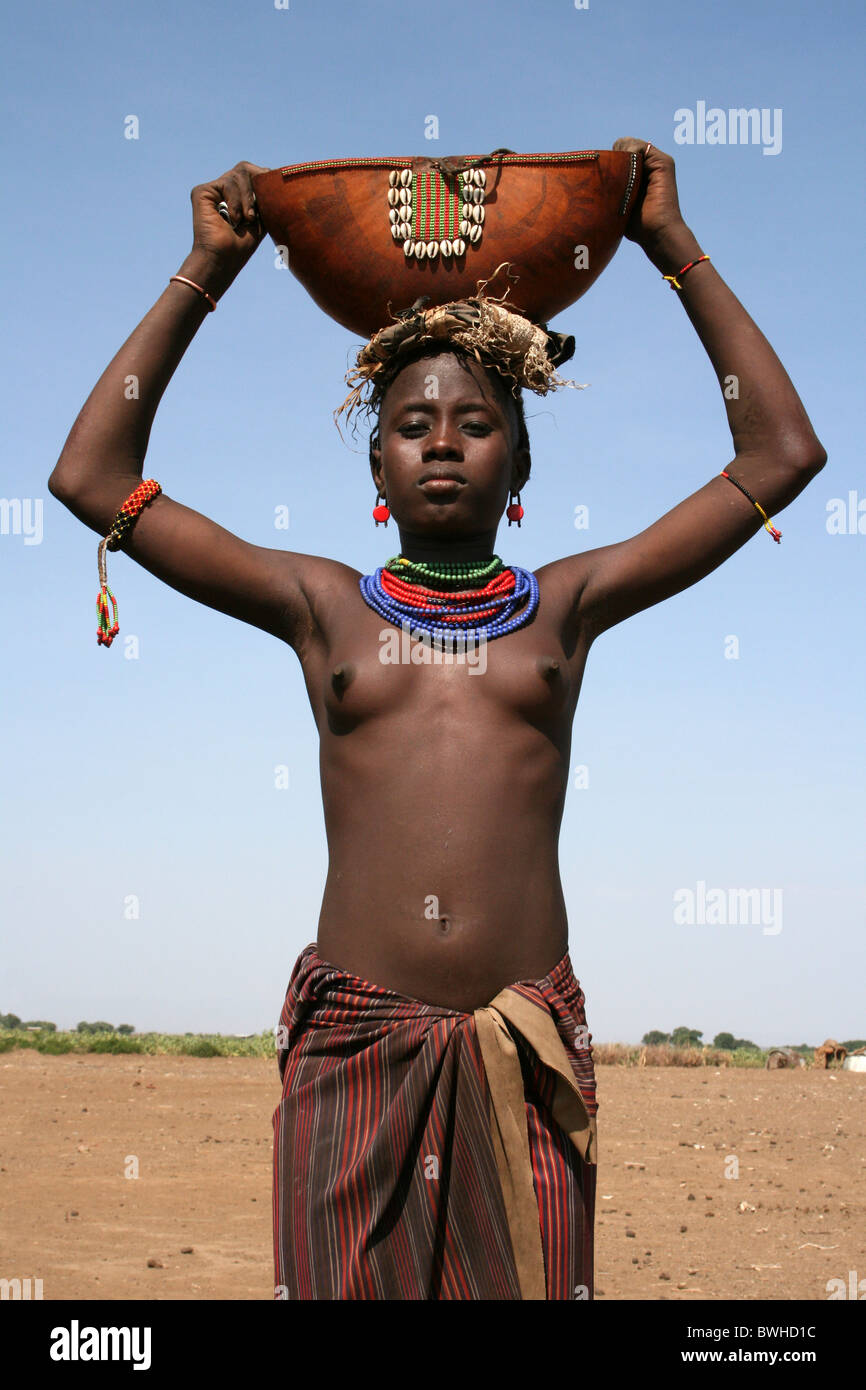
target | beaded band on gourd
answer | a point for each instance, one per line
(120, 527)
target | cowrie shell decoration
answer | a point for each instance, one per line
(468, 187)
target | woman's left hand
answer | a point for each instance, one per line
(656, 213)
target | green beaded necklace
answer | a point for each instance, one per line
(446, 574)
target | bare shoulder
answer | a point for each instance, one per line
(323, 580)
(563, 575)
(321, 572)
(562, 582)
(328, 588)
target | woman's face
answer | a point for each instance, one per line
(447, 453)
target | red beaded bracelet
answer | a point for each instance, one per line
(122, 524)
(675, 279)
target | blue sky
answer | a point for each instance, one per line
(155, 777)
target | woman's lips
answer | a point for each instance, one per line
(441, 484)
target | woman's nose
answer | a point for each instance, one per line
(443, 441)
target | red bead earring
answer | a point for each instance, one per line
(514, 511)
(380, 513)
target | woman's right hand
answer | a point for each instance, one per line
(227, 245)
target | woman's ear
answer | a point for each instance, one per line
(521, 468)
(375, 455)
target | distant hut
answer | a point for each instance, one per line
(829, 1053)
(781, 1057)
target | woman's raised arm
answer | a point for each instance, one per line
(102, 460)
(110, 436)
(777, 452)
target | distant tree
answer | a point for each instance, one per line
(10, 1021)
(687, 1037)
(729, 1043)
(100, 1026)
(854, 1044)
(125, 1029)
(40, 1023)
(655, 1038)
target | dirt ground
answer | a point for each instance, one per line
(195, 1223)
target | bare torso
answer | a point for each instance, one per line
(443, 788)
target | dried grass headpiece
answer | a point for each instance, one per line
(526, 354)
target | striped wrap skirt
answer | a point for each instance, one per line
(425, 1153)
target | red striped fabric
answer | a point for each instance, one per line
(385, 1178)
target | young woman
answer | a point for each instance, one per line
(436, 1136)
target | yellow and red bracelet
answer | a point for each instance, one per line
(768, 525)
(122, 524)
(674, 280)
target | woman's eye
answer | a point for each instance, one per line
(413, 426)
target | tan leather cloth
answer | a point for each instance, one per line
(508, 1119)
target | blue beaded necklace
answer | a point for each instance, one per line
(439, 610)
